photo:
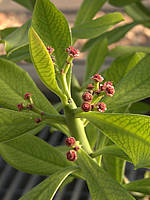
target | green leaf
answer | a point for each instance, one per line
(129, 132)
(139, 108)
(18, 38)
(133, 87)
(14, 124)
(32, 155)
(112, 36)
(52, 27)
(120, 3)
(138, 12)
(5, 32)
(94, 28)
(142, 186)
(47, 189)
(100, 183)
(111, 150)
(121, 50)
(121, 66)
(88, 10)
(43, 62)
(27, 3)
(14, 83)
(95, 59)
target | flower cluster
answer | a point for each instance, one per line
(96, 92)
(72, 52)
(71, 155)
(28, 104)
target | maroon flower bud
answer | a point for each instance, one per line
(97, 91)
(87, 96)
(109, 90)
(71, 155)
(20, 106)
(76, 148)
(30, 106)
(27, 96)
(101, 107)
(38, 120)
(50, 50)
(90, 87)
(70, 141)
(86, 106)
(72, 52)
(97, 78)
(42, 113)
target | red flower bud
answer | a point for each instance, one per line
(87, 96)
(109, 90)
(98, 78)
(71, 155)
(90, 87)
(97, 91)
(38, 120)
(76, 148)
(50, 50)
(86, 106)
(20, 107)
(70, 141)
(72, 52)
(101, 107)
(30, 106)
(27, 95)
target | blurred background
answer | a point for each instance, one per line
(13, 183)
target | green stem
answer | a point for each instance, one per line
(76, 126)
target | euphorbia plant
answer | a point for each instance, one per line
(98, 124)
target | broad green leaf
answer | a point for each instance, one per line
(32, 155)
(88, 10)
(138, 12)
(122, 2)
(112, 36)
(92, 134)
(14, 124)
(18, 38)
(121, 66)
(111, 150)
(133, 87)
(142, 186)
(129, 132)
(27, 3)
(101, 185)
(95, 59)
(43, 62)
(94, 28)
(139, 108)
(47, 189)
(52, 27)
(5, 32)
(19, 54)
(14, 83)
(121, 50)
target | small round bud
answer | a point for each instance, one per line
(86, 106)
(71, 155)
(90, 87)
(109, 90)
(70, 141)
(30, 106)
(20, 106)
(38, 120)
(97, 78)
(76, 148)
(101, 107)
(27, 96)
(87, 96)
(72, 52)
(50, 50)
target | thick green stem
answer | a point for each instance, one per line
(76, 126)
